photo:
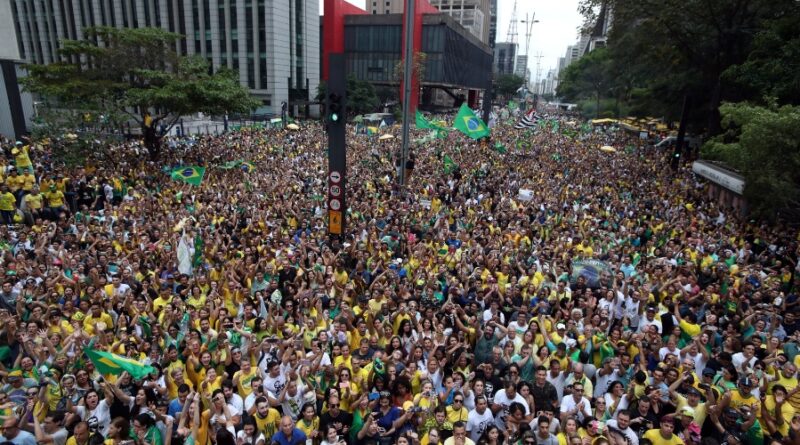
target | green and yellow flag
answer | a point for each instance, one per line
(469, 124)
(248, 167)
(108, 363)
(421, 122)
(191, 175)
(500, 148)
(448, 165)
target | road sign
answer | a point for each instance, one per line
(336, 190)
(335, 222)
(336, 204)
(335, 177)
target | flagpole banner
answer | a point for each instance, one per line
(469, 124)
(108, 363)
(594, 272)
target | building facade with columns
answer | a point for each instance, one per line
(273, 45)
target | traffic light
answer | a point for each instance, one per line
(335, 109)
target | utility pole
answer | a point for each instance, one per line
(538, 70)
(408, 73)
(336, 119)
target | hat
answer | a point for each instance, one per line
(746, 381)
(561, 345)
(709, 371)
(15, 373)
(561, 326)
(78, 316)
(687, 411)
(407, 405)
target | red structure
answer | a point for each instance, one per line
(333, 29)
(333, 35)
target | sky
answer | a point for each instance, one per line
(557, 28)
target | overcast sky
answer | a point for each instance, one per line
(557, 28)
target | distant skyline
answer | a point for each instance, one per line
(557, 28)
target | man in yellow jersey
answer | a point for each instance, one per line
(663, 435)
(8, 205)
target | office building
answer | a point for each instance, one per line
(16, 106)
(272, 44)
(474, 15)
(521, 69)
(504, 58)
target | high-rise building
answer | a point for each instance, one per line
(493, 23)
(505, 55)
(522, 66)
(274, 45)
(474, 15)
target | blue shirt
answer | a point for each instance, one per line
(175, 407)
(23, 438)
(298, 438)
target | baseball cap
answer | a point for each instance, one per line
(561, 326)
(687, 411)
(709, 371)
(746, 381)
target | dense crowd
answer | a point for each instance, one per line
(611, 303)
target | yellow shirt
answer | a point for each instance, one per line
(244, 386)
(33, 201)
(22, 159)
(655, 438)
(55, 199)
(787, 412)
(8, 202)
(268, 425)
(456, 415)
(28, 181)
(15, 182)
(89, 322)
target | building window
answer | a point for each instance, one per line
(387, 11)
(387, 3)
(374, 4)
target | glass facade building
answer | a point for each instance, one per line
(272, 44)
(454, 58)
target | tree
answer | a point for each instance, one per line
(361, 96)
(677, 49)
(420, 59)
(588, 77)
(508, 84)
(137, 72)
(763, 143)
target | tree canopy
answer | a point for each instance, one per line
(662, 51)
(137, 72)
(361, 96)
(508, 84)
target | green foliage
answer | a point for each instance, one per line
(590, 76)
(420, 60)
(361, 96)
(138, 72)
(665, 50)
(763, 143)
(508, 84)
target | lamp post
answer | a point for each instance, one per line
(528, 30)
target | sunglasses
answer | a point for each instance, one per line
(333, 405)
(457, 401)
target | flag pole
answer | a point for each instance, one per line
(407, 80)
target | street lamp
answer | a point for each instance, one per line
(528, 31)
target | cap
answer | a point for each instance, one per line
(561, 345)
(709, 371)
(746, 381)
(561, 326)
(15, 373)
(687, 411)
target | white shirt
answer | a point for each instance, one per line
(557, 382)
(633, 439)
(739, 359)
(501, 398)
(100, 416)
(568, 404)
(478, 423)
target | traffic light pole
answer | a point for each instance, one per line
(408, 73)
(336, 118)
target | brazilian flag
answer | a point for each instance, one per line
(191, 175)
(248, 167)
(108, 363)
(448, 165)
(500, 148)
(469, 124)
